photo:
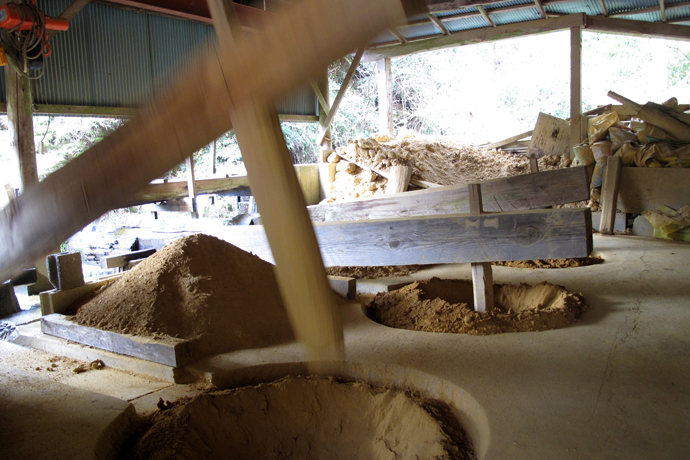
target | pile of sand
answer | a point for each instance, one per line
(198, 287)
(305, 418)
(375, 272)
(446, 306)
(438, 160)
(552, 263)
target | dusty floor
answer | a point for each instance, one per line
(615, 385)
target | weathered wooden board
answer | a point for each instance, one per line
(609, 196)
(527, 191)
(171, 352)
(551, 136)
(120, 260)
(55, 301)
(644, 189)
(454, 238)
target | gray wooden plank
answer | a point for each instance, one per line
(527, 191)
(174, 352)
(452, 238)
(645, 189)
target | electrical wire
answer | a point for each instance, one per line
(29, 44)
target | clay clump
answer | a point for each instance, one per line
(447, 306)
(198, 287)
(375, 272)
(300, 417)
(552, 263)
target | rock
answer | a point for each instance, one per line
(368, 144)
(642, 227)
(351, 168)
(333, 158)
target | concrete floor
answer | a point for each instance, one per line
(614, 386)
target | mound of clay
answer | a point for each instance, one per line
(435, 159)
(552, 263)
(447, 306)
(374, 272)
(198, 287)
(304, 418)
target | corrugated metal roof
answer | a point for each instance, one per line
(384, 37)
(618, 6)
(456, 25)
(511, 17)
(677, 13)
(591, 7)
(419, 30)
(112, 57)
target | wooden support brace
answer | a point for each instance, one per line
(341, 93)
(482, 277)
(609, 199)
(533, 164)
(398, 179)
(190, 186)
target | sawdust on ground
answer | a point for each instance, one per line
(303, 417)
(446, 306)
(438, 160)
(552, 263)
(198, 287)
(375, 272)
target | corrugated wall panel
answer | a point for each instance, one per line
(112, 57)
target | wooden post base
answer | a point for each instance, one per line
(482, 277)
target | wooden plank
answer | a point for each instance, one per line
(452, 238)
(171, 352)
(510, 140)
(609, 199)
(476, 36)
(575, 88)
(645, 189)
(385, 93)
(55, 301)
(120, 260)
(679, 130)
(482, 276)
(341, 93)
(323, 103)
(415, 182)
(345, 286)
(153, 193)
(398, 179)
(551, 136)
(527, 191)
(637, 28)
(186, 117)
(540, 7)
(442, 28)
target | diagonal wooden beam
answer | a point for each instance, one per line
(299, 269)
(71, 11)
(399, 36)
(341, 93)
(438, 23)
(484, 13)
(319, 95)
(540, 7)
(604, 10)
(188, 116)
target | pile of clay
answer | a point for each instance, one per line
(197, 287)
(301, 417)
(375, 272)
(439, 160)
(447, 306)
(552, 263)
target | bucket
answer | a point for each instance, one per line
(584, 154)
(601, 151)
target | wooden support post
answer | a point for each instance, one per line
(213, 156)
(385, 94)
(21, 126)
(300, 272)
(326, 145)
(191, 187)
(609, 198)
(533, 164)
(341, 93)
(398, 179)
(575, 86)
(482, 277)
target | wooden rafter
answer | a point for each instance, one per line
(604, 10)
(540, 7)
(399, 36)
(341, 93)
(319, 95)
(75, 7)
(438, 23)
(652, 9)
(662, 7)
(485, 15)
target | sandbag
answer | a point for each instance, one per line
(598, 127)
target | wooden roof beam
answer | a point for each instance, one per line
(468, 37)
(437, 22)
(540, 7)
(483, 12)
(629, 27)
